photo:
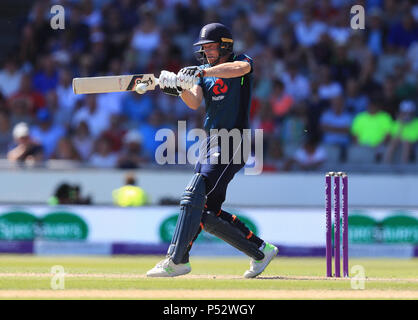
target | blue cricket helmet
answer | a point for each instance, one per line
(214, 33)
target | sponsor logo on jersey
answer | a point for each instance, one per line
(219, 87)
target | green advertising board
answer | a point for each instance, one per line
(18, 225)
(21, 225)
(398, 228)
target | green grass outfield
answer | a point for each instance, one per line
(30, 277)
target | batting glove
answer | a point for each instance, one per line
(189, 76)
(169, 84)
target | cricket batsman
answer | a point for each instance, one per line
(224, 81)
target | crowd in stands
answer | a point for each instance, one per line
(317, 81)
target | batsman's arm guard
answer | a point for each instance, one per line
(191, 209)
(231, 234)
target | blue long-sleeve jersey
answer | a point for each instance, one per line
(228, 101)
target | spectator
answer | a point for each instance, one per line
(97, 119)
(254, 48)
(275, 159)
(46, 132)
(412, 57)
(339, 30)
(342, 67)
(190, 16)
(173, 108)
(390, 101)
(295, 83)
(404, 133)
(227, 11)
(335, 125)
(265, 121)
(357, 49)
(28, 47)
(98, 51)
(19, 111)
(26, 150)
(264, 74)
(406, 82)
(146, 39)
(6, 136)
(65, 150)
(40, 25)
(376, 36)
(355, 101)
(292, 42)
(130, 195)
(128, 11)
(211, 14)
(240, 23)
(148, 131)
(46, 78)
(85, 65)
(321, 53)
(254, 108)
(281, 102)
(325, 11)
(294, 126)
(103, 157)
(328, 87)
(166, 18)
(115, 133)
(372, 127)
(367, 76)
(308, 157)
(260, 18)
(404, 33)
(117, 33)
(67, 99)
(295, 11)
(392, 13)
(34, 100)
(10, 78)
(289, 48)
(308, 31)
(315, 107)
(77, 33)
(171, 53)
(60, 116)
(387, 63)
(279, 27)
(131, 156)
(92, 16)
(137, 108)
(415, 12)
(83, 141)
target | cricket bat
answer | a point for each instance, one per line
(136, 82)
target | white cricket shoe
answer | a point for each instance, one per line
(258, 266)
(167, 268)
